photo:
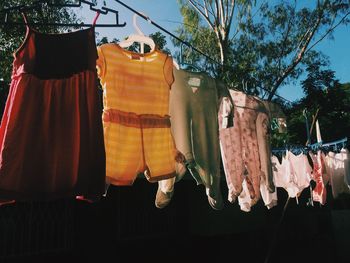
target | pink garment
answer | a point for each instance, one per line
(239, 143)
(274, 114)
(319, 193)
(263, 123)
(280, 171)
(244, 200)
(231, 149)
(300, 174)
(267, 186)
(346, 157)
(337, 168)
(293, 174)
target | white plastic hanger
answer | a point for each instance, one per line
(140, 37)
(175, 64)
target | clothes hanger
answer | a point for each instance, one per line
(176, 65)
(335, 145)
(39, 4)
(140, 37)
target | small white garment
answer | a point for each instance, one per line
(346, 157)
(270, 199)
(244, 200)
(293, 174)
(300, 174)
(280, 171)
(337, 167)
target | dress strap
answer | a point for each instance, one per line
(25, 18)
(95, 19)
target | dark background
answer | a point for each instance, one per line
(125, 226)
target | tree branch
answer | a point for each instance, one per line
(257, 11)
(222, 13)
(233, 6)
(284, 42)
(227, 10)
(213, 12)
(328, 32)
(230, 16)
(206, 8)
(206, 18)
(237, 27)
(217, 20)
(303, 38)
(296, 61)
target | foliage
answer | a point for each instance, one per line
(271, 44)
(324, 92)
(11, 36)
(104, 40)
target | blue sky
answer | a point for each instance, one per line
(164, 11)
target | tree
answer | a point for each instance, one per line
(219, 15)
(324, 93)
(104, 40)
(215, 37)
(12, 36)
(271, 44)
(293, 32)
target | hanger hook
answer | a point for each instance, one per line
(181, 53)
(137, 28)
(305, 112)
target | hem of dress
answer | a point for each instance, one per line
(155, 179)
(118, 182)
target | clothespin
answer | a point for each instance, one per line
(311, 201)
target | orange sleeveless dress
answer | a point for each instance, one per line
(135, 115)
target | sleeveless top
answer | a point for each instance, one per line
(136, 117)
(51, 135)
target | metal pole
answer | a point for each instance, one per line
(308, 138)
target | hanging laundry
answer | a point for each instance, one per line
(319, 193)
(135, 116)
(239, 143)
(51, 133)
(280, 170)
(264, 145)
(231, 153)
(263, 128)
(337, 167)
(300, 174)
(346, 157)
(293, 174)
(193, 111)
(267, 187)
(244, 199)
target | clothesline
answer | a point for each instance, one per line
(183, 41)
(313, 147)
(105, 10)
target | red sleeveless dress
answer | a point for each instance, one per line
(51, 135)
